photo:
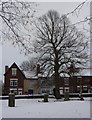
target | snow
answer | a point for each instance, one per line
(31, 108)
(30, 74)
(85, 72)
(0, 109)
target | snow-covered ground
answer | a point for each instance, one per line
(0, 109)
(31, 108)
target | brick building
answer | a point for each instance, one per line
(20, 82)
(25, 82)
(13, 80)
(74, 84)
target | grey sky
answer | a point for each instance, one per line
(12, 54)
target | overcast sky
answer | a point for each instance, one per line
(10, 54)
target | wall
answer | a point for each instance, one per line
(9, 76)
(32, 84)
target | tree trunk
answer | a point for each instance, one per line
(57, 91)
(56, 77)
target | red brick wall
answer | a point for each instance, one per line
(9, 76)
(75, 81)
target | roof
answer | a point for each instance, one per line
(27, 74)
(16, 67)
(30, 74)
(85, 72)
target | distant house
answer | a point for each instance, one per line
(75, 84)
(13, 80)
(20, 82)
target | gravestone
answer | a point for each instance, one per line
(81, 97)
(46, 98)
(11, 101)
(66, 96)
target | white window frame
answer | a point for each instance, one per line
(16, 90)
(14, 71)
(12, 82)
(85, 87)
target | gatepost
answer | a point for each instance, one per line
(66, 96)
(46, 98)
(11, 102)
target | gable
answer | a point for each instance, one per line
(14, 65)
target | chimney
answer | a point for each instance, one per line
(6, 69)
(38, 69)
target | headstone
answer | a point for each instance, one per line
(66, 96)
(46, 98)
(54, 92)
(81, 97)
(11, 102)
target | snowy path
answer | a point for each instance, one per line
(31, 108)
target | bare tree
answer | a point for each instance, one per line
(59, 44)
(28, 65)
(17, 19)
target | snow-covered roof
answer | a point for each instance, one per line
(64, 75)
(86, 72)
(30, 74)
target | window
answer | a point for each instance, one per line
(13, 91)
(66, 81)
(87, 80)
(13, 82)
(78, 88)
(16, 91)
(14, 71)
(61, 90)
(79, 80)
(85, 88)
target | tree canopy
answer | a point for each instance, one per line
(59, 44)
(17, 20)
